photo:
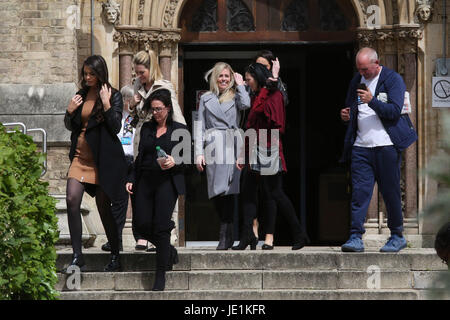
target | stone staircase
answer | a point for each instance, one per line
(311, 273)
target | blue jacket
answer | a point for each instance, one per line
(398, 126)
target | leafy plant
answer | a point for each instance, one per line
(28, 223)
(439, 208)
(439, 170)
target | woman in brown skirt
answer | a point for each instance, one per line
(98, 164)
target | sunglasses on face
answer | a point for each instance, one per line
(156, 110)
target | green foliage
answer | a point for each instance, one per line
(28, 223)
(439, 170)
(439, 209)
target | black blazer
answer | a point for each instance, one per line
(105, 145)
(177, 172)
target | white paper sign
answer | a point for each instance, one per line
(441, 92)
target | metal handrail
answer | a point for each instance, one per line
(25, 131)
(44, 146)
(11, 124)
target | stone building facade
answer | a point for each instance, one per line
(43, 44)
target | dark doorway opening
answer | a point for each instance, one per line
(317, 76)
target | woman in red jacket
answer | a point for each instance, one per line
(268, 164)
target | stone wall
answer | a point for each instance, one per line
(37, 47)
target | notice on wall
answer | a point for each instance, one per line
(441, 92)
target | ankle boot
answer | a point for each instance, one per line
(77, 261)
(222, 237)
(247, 238)
(160, 280)
(114, 264)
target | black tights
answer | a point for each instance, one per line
(225, 207)
(74, 196)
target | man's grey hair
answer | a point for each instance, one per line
(127, 92)
(368, 52)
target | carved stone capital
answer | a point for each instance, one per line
(165, 49)
(406, 37)
(129, 37)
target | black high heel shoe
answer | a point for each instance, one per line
(113, 265)
(267, 247)
(77, 261)
(244, 243)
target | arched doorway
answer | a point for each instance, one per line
(315, 42)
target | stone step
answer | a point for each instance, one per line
(250, 280)
(255, 295)
(282, 258)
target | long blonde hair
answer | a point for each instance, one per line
(150, 61)
(213, 75)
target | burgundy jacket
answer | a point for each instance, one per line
(268, 112)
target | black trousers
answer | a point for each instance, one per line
(119, 211)
(274, 199)
(225, 207)
(154, 199)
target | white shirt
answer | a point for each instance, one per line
(371, 132)
(126, 134)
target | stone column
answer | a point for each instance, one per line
(127, 41)
(165, 59)
(125, 67)
(409, 68)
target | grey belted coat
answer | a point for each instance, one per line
(218, 122)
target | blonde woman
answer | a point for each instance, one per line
(218, 118)
(149, 79)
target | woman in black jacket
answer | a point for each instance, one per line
(98, 164)
(156, 183)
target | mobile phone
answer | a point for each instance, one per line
(362, 86)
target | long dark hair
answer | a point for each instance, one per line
(260, 73)
(266, 54)
(98, 65)
(165, 97)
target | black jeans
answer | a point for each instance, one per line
(274, 200)
(225, 207)
(154, 200)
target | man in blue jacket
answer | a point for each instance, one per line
(377, 133)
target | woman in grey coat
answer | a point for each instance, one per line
(216, 142)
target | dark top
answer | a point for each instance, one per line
(149, 151)
(146, 158)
